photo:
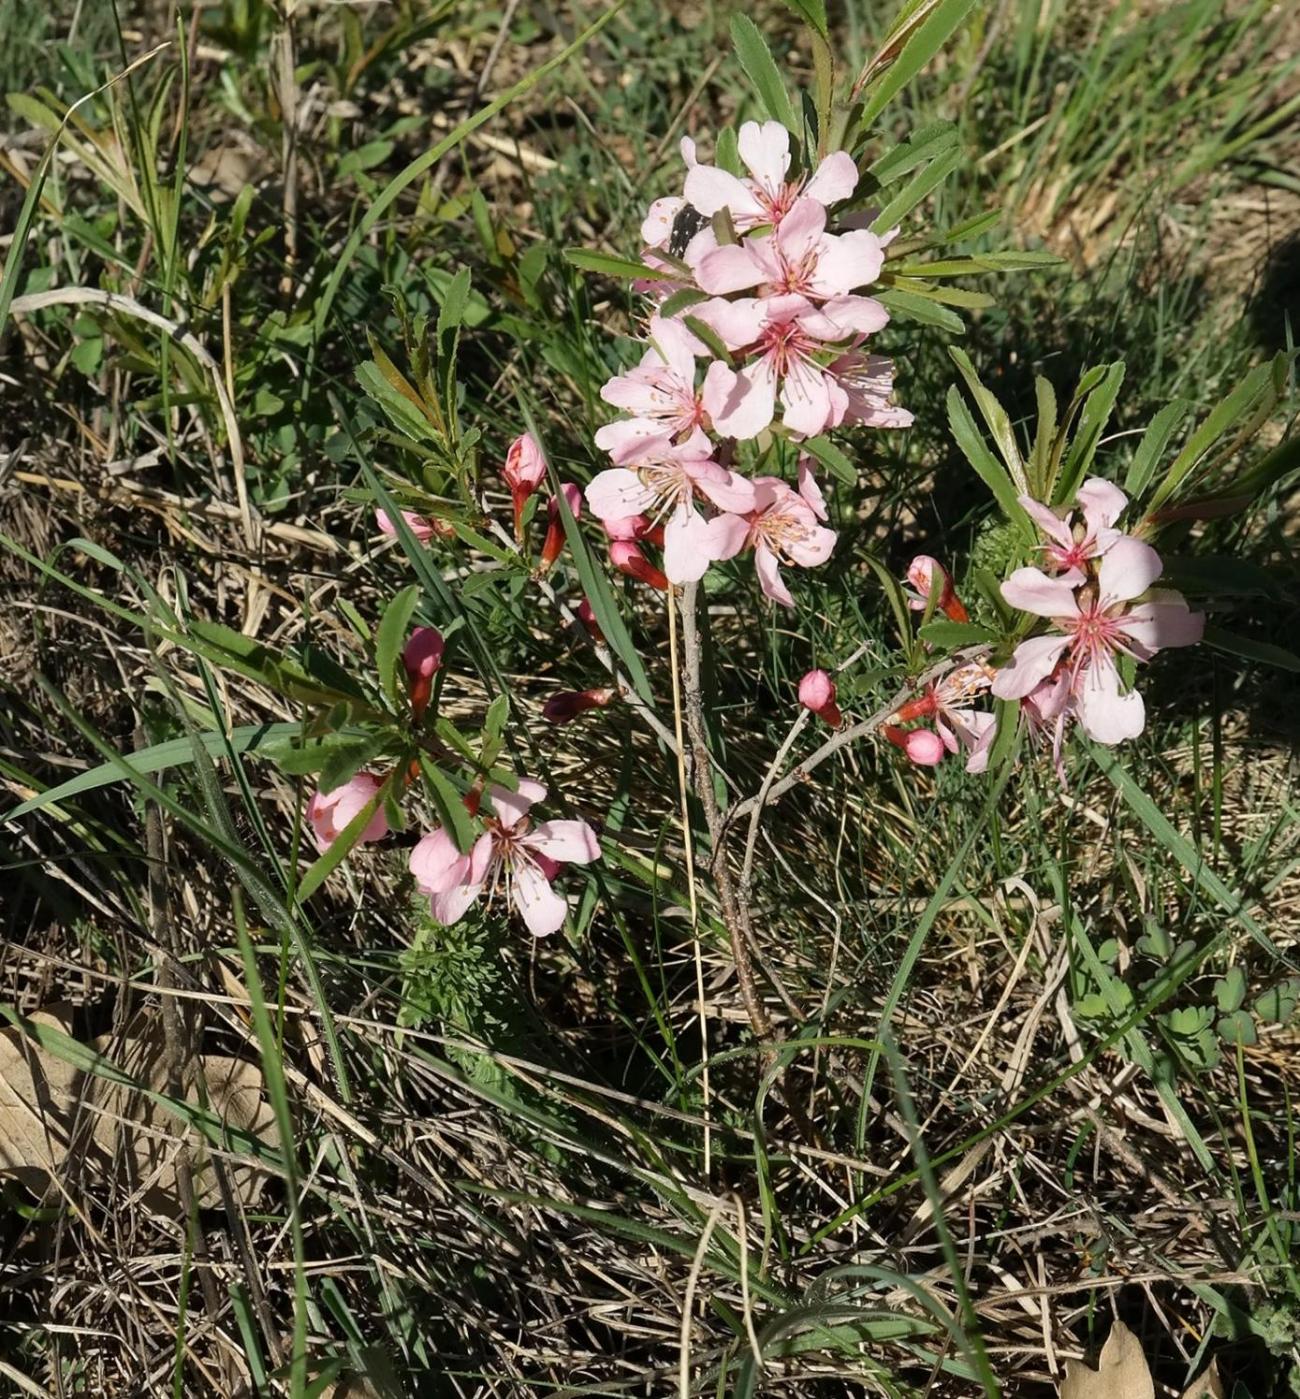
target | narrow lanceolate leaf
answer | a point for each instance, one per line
(917, 49)
(995, 416)
(947, 634)
(1092, 423)
(1152, 447)
(813, 14)
(451, 807)
(176, 752)
(903, 303)
(1177, 844)
(921, 185)
(761, 70)
(610, 266)
(1251, 650)
(1253, 389)
(390, 638)
(923, 145)
(836, 462)
(987, 467)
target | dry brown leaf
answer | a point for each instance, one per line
(1207, 1385)
(51, 1111)
(1122, 1371)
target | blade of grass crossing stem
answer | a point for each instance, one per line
(407, 177)
(1182, 849)
(969, 1336)
(929, 38)
(925, 923)
(277, 1091)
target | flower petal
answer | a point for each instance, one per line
(1128, 568)
(806, 398)
(768, 568)
(765, 150)
(747, 406)
(855, 315)
(1107, 715)
(737, 323)
(1102, 503)
(834, 179)
(709, 189)
(1047, 520)
(729, 268)
(436, 864)
(618, 492)
(573, 842)
(450, 906)
(728, 535)
(726, 489)
(686, 546)
(1032, 661)
(541, 908)
(1164, 620)
(846, 261)
(1031, 590)
(514, 806)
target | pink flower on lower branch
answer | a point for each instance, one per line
(1097, 620)
(949, 702)
(330, 813)
(782, 529)
(512, 856)
(924, 575)
(524, 471)
(924, 747)
(423, 529)
(668, 484)
(817, 693)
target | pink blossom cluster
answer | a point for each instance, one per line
(760, 310)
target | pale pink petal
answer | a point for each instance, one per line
(728, 535)
(450, 906)
(514, 806)
(813, 548)
(573, 842)
(632, 439)
(1102, 503)
(1107, 715)
(765, 150)
(847, 261)
(541, 908)
(686, 546)
(657, 227)
(737, 323)
(747, 407)
(677, 347)
(729, 268)
(806, 398)
(854, 315)
(1165, 620)
(834, 179)
(800, 231)
(1033, 661)
(642, 390)
(709, 189)
(1128, 568)
(481, 855)
(1047, 520)
(618, 492)
(809, 489)
(436, 864)
(1031, 590)
(726, 489)
(768, 568)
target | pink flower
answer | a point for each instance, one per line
(1071, 544)
(669, 483)
(421, 656)
(799, 257)
(330, 813)
(422, 529)
(628, 559)
(817, 692)
(1049, 708)
(786, 334)
(766, 197)
(587, 616)
(923, 573)
(782, 528)
(868, 383)
(634, 527)
(568, 704)
(924, 747)
(1095, 624)
(524, 471)
(555, 536)
(511, 853)
(948, 702)
(660, 393)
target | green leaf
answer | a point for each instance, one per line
(947, 635)
(1093, 418)
(608, 265)
(1246, 396)
(681, 300)
(761, 70)
(922, 184)
(1278, 1004)
(176, 752)
(1238, 1028)
(315, 754)
(923, 145)
(1217, 575)
(813, 14)
(450, 804)
(836, 462)
(1177, 844)
(995, 416)
(709, 337)
(1251, 650)
(455, 302)
(391, 637)
(1044, 436)
(911, 305)
(987, 467)
(1154, 441)
(916, 52)
(1230, 990)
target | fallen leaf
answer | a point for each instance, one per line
(106, 1106)
(1121, 1373)
(1207, 1385)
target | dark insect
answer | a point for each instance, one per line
(686, 225)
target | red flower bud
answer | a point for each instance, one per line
(566, 706)
(627, 558)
